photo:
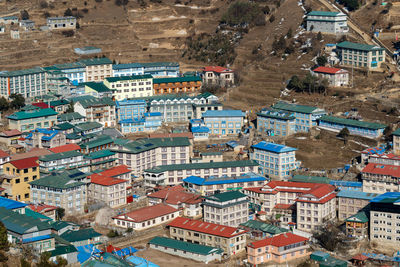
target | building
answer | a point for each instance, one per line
(150, 121)
(279, 249)
(216, 75)
(129, 109)
(44, 138)
(64, 160)
(12, 205)
(98, 110)
(357, 225)
(224, 122)
(177, 85)
(360, 55)
(66, 189)
(46, 210)
(30, 118)
(10, 137)
(327, 22)
(306, 116)
(75, 72)
(208, 186)
(396, 142)
(380, 178)
(27, 82)
(128, 69)
(17, 175)
(61, 23)
(102, 159)
(9, 20)
(336, 77)
(228, 208)
(108, 190)
(276, 122)
(87, 50)
(362, 128)
(350, 203)
(82, 237)
(97, 143)
(97, 69)
(128, 87)
(27, 25)
(258, 229)
(313, 203)
(232, 240)
(173, 174)
(161, 69)
(97, 89)
(275, 160)
(146, 217)
(73, 118)
(4, 158)
(385, 220)
(187, 250)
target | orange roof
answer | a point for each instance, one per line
(175, 195)
(3, 154)
(116, 171)
(65, 148)
(327, 70)
(11, 133)
(171, 135)
(147, 213)
(217, 69)
(205, 227)
(25, 163)
(279, 240)
(34, 152)
(41, 207)
(105, 180)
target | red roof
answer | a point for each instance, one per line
(170, 135)
(105, 180)
(111, 249)
(40, 105)
(283, 206)
(279, 240)
(3, 154)
(382, 169)
(147, 213)
(327, 70)
(360, 257)
(11, 133)
(41, 207)
(25, 163)
(205, 227)
(217, 69)
(116, 171)
(65, 148)
(175, 195)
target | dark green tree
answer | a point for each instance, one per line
(70, 108)
(24, 15)
(295, 83)
(344, 133)
(322, 60)
(4, 245)
(68, 12)
(60, 213)
(17, 101)
(4, 105)
(24, 263)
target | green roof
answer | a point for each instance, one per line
(80, 235)
(74, 65)
(95, 61)
(86, 126)
(296, 108)
(159, 64)
(59, 102)
(70, 116)
(397, 132)
(264, 227)
(38, 113)
(173, 96)
(99, 141)
(177, 79)
(37, 215)
(61, 250)
(323, 13)
(128, 78)
(205, 165)
(353, 123)
(58, 225)
(93, 102)
(59, 156)
(141, 145)
(226, 196)
(98, 87)
(310, 179)
(333, 262)
(359, 217)
(58, 180)
(184, 246)
(63, 126)
(100, 154)
(357, 46)
(16, 73)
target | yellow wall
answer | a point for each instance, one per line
(19, 190)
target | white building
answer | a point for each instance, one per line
(128, 87)
(336, 77)
(327, 22)
(61, 23)
(97, 110)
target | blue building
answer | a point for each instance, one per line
(306, 116)
(148, 123)
(129, 69)
(224, 122)
(276, 122)
(75, 72)
(152, 121)
(161, 69)
(275, 160)
(128, 109)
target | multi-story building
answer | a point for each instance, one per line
(208, 186)
(129, 109)
(216, 75)
(98, 110)
(17, 175)
(97, 89)
(44, 138)
(73, 118)
(173, 174)
(75, 72)
(31, 117)
(385, 220)
(61, 23)
(64, 160)
(350, 202)
(102, 159)
(357, 225)
(10, 137)
(327, 22)
(275, 160)
(224, 122)
(313, 203)
(396, 142)
(306, 116)
(128, 87)
(228, 208)
(108, 190)
(27, 82)
(360, 55)
(278, 249)
(97, 69)
(362, 128)
(276, 122)
(336, 77)
(148, 153)
(161, 69)
(380, 178)
(96, 143)
(232, 240)
(66, 189)
(178, 85)
(128, 69)
(150, 121)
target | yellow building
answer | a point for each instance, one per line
(17, 175)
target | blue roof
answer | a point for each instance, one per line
(223, 113)
(84, 252)
(248, 177)
(272, 147)
(200, 129)
(133, 120)
(125, 251)
(140, 262)
(196, 121)
(11, 204)
(36, 238)
(356, 194)
(345, 183)
(388, 197)
(130, 102)
(152, 114)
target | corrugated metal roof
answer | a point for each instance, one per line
(184, 246)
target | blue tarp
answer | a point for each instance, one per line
(125, 251)
(140, 262)
(84, 252)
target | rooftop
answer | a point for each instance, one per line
(147, 213)
(80, 235)
(297, 108)
(281, 240)
(381, 169)
(175, 195)
(223, 113)
(177, 79)
(264, 227)
(359, 217)
(184, 246)
(388, 197)
(206, 165)
(11, 204)
(87, 126)
(217, 69)
(353, 123)
(23, 115)
(328, 70)
(276, 114)
(61, 180)
(25, 163)
(98, 87)
(95, 61)
(97, 142)
(10, 133)
(128, 78)
(248, 177)
(127, 66)
(324, 13)
(65, 148)
(310, 179)
(100, 154)
(59, 156)
(23, 72)
(356, 194)
(357, 46)
(95, 102)
(105, 180)
(21, 223)
(142, 145)
(226, 196)
(272, 147)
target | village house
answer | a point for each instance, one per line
(10, 137)
(216, 75)
(9, 20)
(276, 122)
(128, 69)
(97, 110)
(146, 217)
(129, 109)
(350, 202)
(82, 237)
(327, 22)
(161, 69)
(380, 178)
(61, 23)
(357, 225)
(174, 174)
(30, 118)
(46, 210)
(88, 128)
(75, 72)
(128, 87)
(27, 25)
(258, 229)
(97, 69)
(178, 85)
(224, 122)
(97, 89)
(336, 77)
(87, 50)
(108, 190)
(151, 121)
(96, 144)
(232, 240)
(64, 160)
(44, 138)
(102, 159)
(279, 249)
(73, 118)
(228, 208)
(360, 55)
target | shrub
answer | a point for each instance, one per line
(68, 33)
(43, 4)
(240, 13)
(24, 15)
(121, 2)
(85, 10)
(67, 12)
(322, 60)
(272, 18)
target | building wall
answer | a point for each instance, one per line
(336, 127)
(310, 216)
(276, 254)
(230, 216)
(337, 80)
(375, 183)
(28, 85)
(349, 206)
(31, 124)
(61, 23)
(276, 127)
(207, 190)
(129, 89)
(224, 125)
(177, 87)
(327, 24)
(126, 223)
(223, 79)
(385, 228)
(188, 255)
(275, 165)
(97, 73)
(113, 195)
(396, 144)
(362, 59)
(128, 72)
(103, 114)
(19, 184)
